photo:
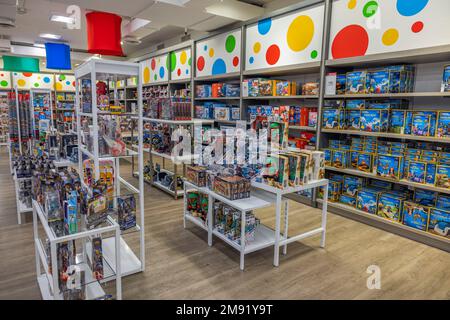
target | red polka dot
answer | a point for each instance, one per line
(417, 27)
(235, 61)
(1, 75)
(73, 83)
(153, 64)
(27, 74)
(272, 54)
(351, 41)
(179, 72)
(200, 63)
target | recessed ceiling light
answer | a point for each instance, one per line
(63, 19)
(39, 45)
(179, 3)
(50, 36)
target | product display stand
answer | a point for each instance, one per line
(48, 279)
(106, 70)
(262, 196)
(4, 122)
(21, 206)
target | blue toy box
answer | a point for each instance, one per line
(443, 176)
(377, 81)
(415, 215)
(339, 159)
(443, 202)
(389, 166)
(417, 171)
(353, 119)
(397, 121)
(423, 123)
(328, 153)
(446, 79)
(365, 162)
(356, 82)
(380, 184)
(443, 125)
(390, 207)
(439, 222)
(347, 200)
(333, 119)
(367, 200)
(374, 120)
(203, 91)
(425, 197)
(351, 185)
(355, 104)
(353, 159)
(341, 80)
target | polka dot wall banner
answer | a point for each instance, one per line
(180, 64)
(155, 69)
(364, 27)
(65, 82)
(218, 55)
(28, 80)
(5, 80)
(285, 40)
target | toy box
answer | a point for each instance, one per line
(443, 123)
(276, 171)
(425, 197)
(401, 78)
(340, 159)
(231, 90)
(333, 119)
(390, 207)
(420, 125)
(328, 153)
(310, 89)
(353, 159)
(415, 215)
(397, 121)
(347, 200)
(417, 171)
(443, 176)
(374, 120)
(97, 258)
(351, 185)
(203, 91)
(353, 119)
(341, 80)
(443, 202)
(430, 175)
(235, 113)
(377, 81)
(439, 222)
(380, 184)
(294, 169)
(232, 187)
(356, 82)
(252, 87)
(365, 162)
(312, 119)
(221, 113)
(334, 190)
(196, 175)
(126, 206)
(266, 87)
(355, 104)
(446, 79)
(285, 88)
(367, 200)
(217, 90)
(389, 166)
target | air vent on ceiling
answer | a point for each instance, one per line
(131, 40)
(7, 23)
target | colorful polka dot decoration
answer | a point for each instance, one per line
(182, 61)
(264, 26)
(156, 69)
(147, 73)
(5, 78)
(219, 67)
(200, 63)
(300, 33)
(4, 83)
(58, 86)
(356, 39)
(272, 54)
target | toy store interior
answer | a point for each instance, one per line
(224, 149)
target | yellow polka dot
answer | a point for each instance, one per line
(257, 47)
(390, 37)
(211, 52)
(21, 83)
(58, 86)
(183, 57)
(351, 4)
(146, 75)
(300, 33)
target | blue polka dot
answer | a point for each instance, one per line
(46, 79)
(410, 8)
(219, 67)
(68, 83)
(161, 72)
(264, 26)
(187, 71)
(205, 47)
(251, 60)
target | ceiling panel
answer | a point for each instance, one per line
(128, 8)
(213, 23)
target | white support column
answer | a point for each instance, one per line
(118, 266)
(276, 254)
(324, 215)
(242, 260)
(210, 218)
(286, 223)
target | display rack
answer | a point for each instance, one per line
(21, 206)
(48, 278)
(41, 108)
(4, 121)
(106, 70)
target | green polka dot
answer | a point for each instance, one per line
(314, 54)
(230, 43)
(36, 84)
(156, 77)
(171, 61)
(189, 61)
(370, 9)
(4, 83)
(62, 77)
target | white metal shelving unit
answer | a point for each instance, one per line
(20, 206)
(48, 278)
(114, 70)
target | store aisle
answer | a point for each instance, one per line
(180, 265)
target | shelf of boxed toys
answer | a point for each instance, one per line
(388, 95)
(179, 122)
(48, 281)
(300, 97)
(20, 206)
(217, 98)
(401, 181)
(159, 185)
(410, 232)
(387, 135)
(129, 153)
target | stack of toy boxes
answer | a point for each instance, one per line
(196, 175)
(225, 90)
(223, 112)
(203, 91)
(443, 123)
(303, 116)
(351, 186)
(197, 204)
(334, 115)
(205, 111)
(228, 222)
(310, 89)
(267, 87)
(304, 140)
(232, 187)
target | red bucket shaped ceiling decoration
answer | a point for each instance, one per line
(104, 33)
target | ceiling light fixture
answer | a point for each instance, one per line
(60, 18)
(235, 10)
(39, 45)
(50, 36)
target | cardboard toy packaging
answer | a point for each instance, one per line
(196, 175)
(415, 215)
(439, 222)
(390, 207)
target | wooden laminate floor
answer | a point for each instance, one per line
(180, 265)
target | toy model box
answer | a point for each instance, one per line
(333, 119)
(377, 81)
(328, 153)
(334, 190)
(443, 202)
(355, 104)
(266, 87)
(425, 197)
(347, 200)
(217, 90)
(351, 185)
(276, 171)
(365, 162)
(235, 113)
(390, 207)
(421, 125)
(389, 166)
(443, 125)
(221, 113)
(353, 119)
(408, 122)
(374, 120)
(439, 222)
(126, 212)
(367, 200)
(294, 168)
(353, 159)
(397, 121)
(196, 175)
(231, 90)
(340, 159)
(203, 91)
(341, 80)
(401, 78)
(443, 176)
(285, 88)
(417, 171)
(415, 215)
(97, 258)
(430, 175)
(380, 184)
(310, 89)
(446, 79)
(356, 82)
(232, 187)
